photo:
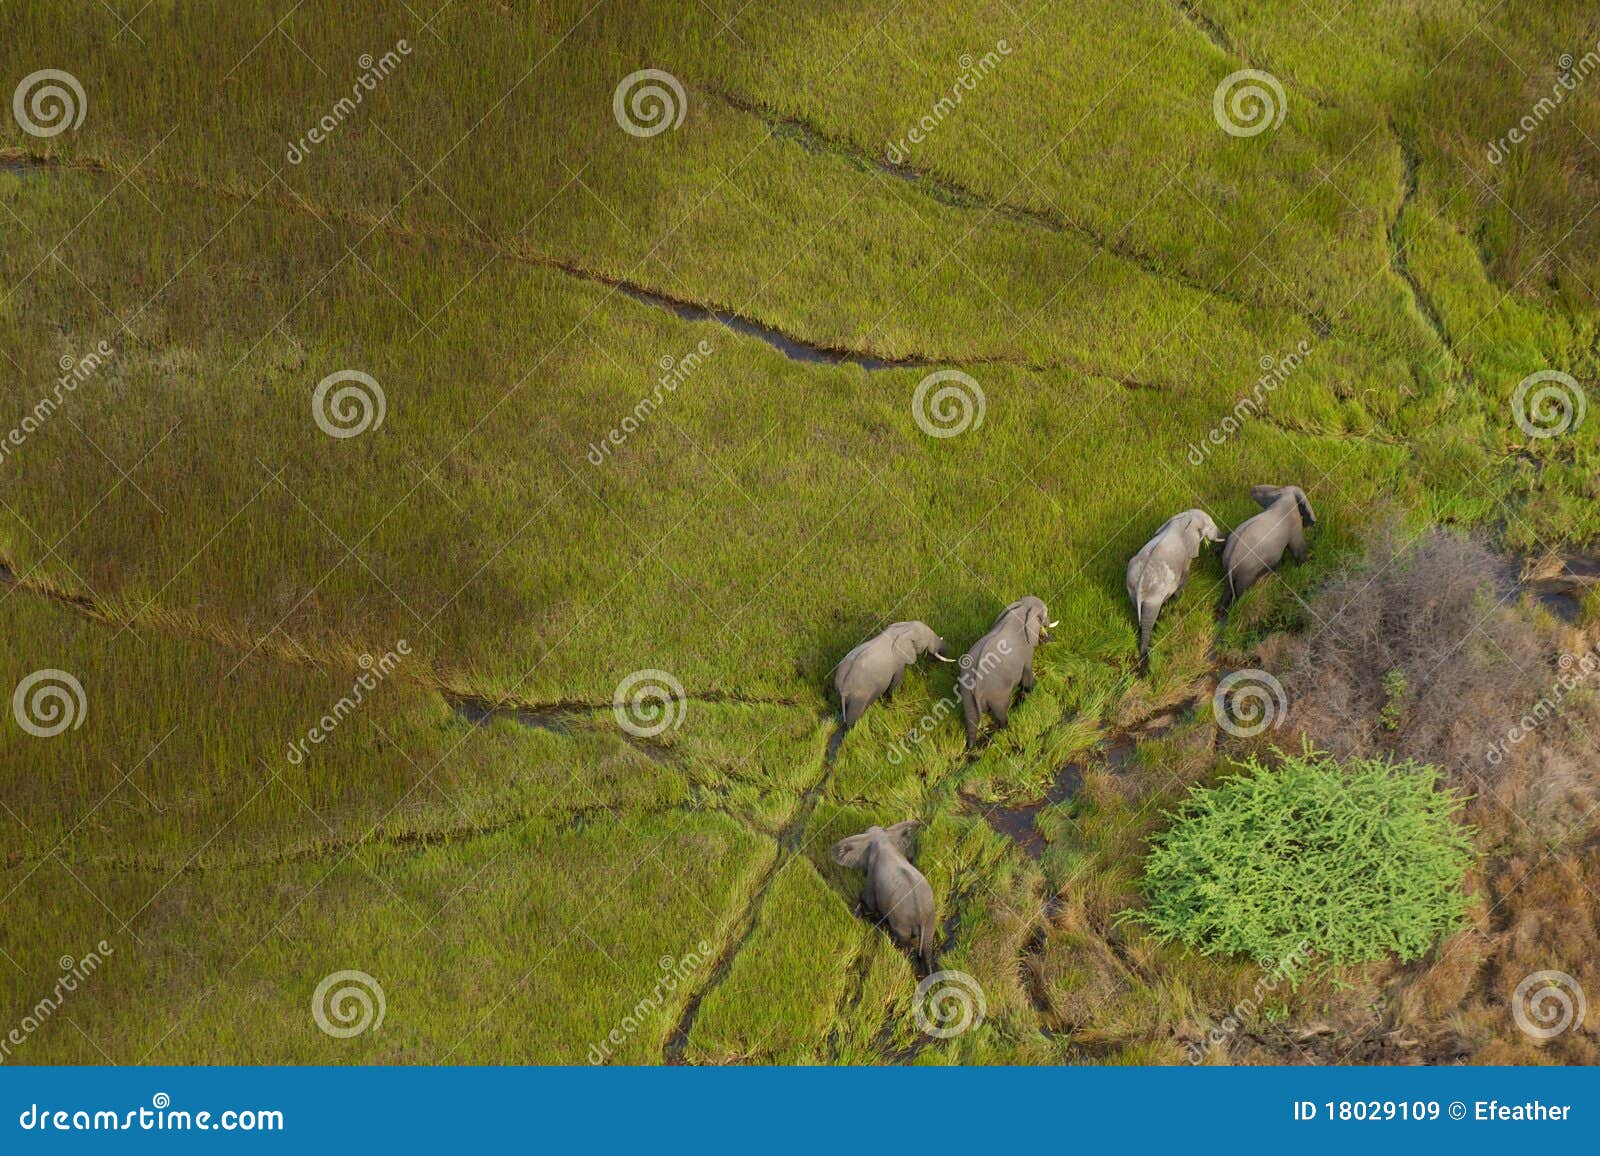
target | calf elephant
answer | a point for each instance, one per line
(878, 665)
(1000, 662)
(1257, 545)
(1159, 570)
(895, 891)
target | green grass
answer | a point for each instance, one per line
(779, 1001)
(1312, 862)
(529, 945)
(1080, 236)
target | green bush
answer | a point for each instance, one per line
(1355, 862)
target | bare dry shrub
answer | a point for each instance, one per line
(1425, 650)
(1479, 694)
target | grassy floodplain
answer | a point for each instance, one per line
(516, 272)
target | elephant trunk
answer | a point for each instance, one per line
(1147, 622)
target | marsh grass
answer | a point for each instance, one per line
(1083, 238)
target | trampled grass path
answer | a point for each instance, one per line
(948, 192)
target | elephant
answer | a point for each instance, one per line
(877, 666)
(1258, 543)
(1160, 569)
(1001, 661)
(895, 892)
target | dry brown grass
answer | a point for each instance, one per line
(1478, 656)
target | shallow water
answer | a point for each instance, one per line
(782, 342)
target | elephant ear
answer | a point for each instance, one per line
(905, 646)
(1206, 526)
(1033, 624)
(851, 852)
(903, 835)
(1308, 516)
(1264, 496)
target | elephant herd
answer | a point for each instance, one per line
(1000, 664)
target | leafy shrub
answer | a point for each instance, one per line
(1356, 861)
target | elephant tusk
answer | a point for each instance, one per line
(1052, 625)
(942, 658)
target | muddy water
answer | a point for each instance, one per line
(19, 164)
(1017, 823)
(1563, 592)
(558, 721)
(782, 342)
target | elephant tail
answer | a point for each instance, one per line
(970, 715)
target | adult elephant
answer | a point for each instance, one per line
(876, 668)
(1000, 662)
(1159, 570)
(1257, 545)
